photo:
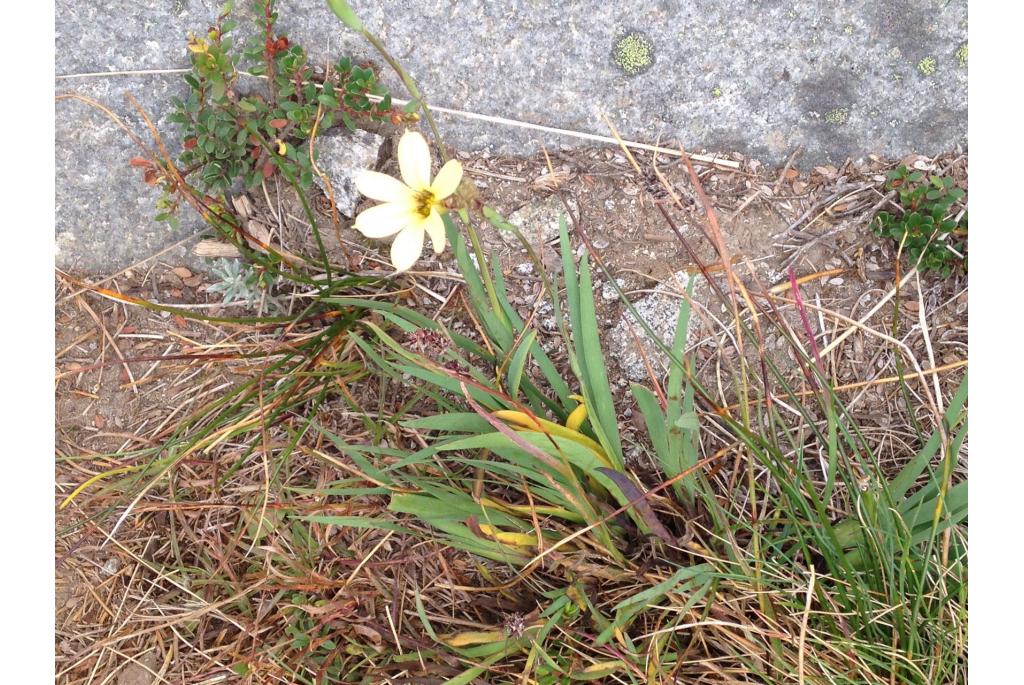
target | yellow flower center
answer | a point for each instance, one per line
(424, 202)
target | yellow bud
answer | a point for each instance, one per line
(282, 148)
(577, 416)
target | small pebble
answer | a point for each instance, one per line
(524, 269)
(836, 281)
(112, 566)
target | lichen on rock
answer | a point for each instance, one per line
(633, 53)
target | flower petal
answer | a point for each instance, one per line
(414, 160)
(434, 226)
(378, 186)
(407, 247)
(383, 220)
(447, 180)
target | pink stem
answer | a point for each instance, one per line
(803, 317)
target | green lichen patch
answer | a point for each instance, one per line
(633, 53)
(927, 66)
(961, 55)
(716, 92)
(837, 116)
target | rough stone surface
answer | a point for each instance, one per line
(537, 221)
(756, 76)
(661, 312)
(342, 155)
(104, 211)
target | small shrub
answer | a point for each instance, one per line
(231, 134)
(930, 227)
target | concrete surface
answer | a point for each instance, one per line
(755, 76)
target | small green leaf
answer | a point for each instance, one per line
(688, 421)
(328, 100)
(217, 89)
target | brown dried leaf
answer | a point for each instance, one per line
(639, 502)
(828, 171)
(550, 181)
(368, 632)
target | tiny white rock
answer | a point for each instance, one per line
(524, 269)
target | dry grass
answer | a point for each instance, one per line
(194, 563)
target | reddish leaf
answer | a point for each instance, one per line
(278, 123)
(268, 169)
(191, 143)
(274, 47)
(140, 162)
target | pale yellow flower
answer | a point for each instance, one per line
(411, 209)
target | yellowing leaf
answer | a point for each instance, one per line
(604, 667)
(474, 638)
(507, 538)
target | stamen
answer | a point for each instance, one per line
(424, 203)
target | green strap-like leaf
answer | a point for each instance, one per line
(344, 11)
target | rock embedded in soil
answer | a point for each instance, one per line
(342, 154)
(660, 310)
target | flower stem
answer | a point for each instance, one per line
(474, 238)
(410, 85)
